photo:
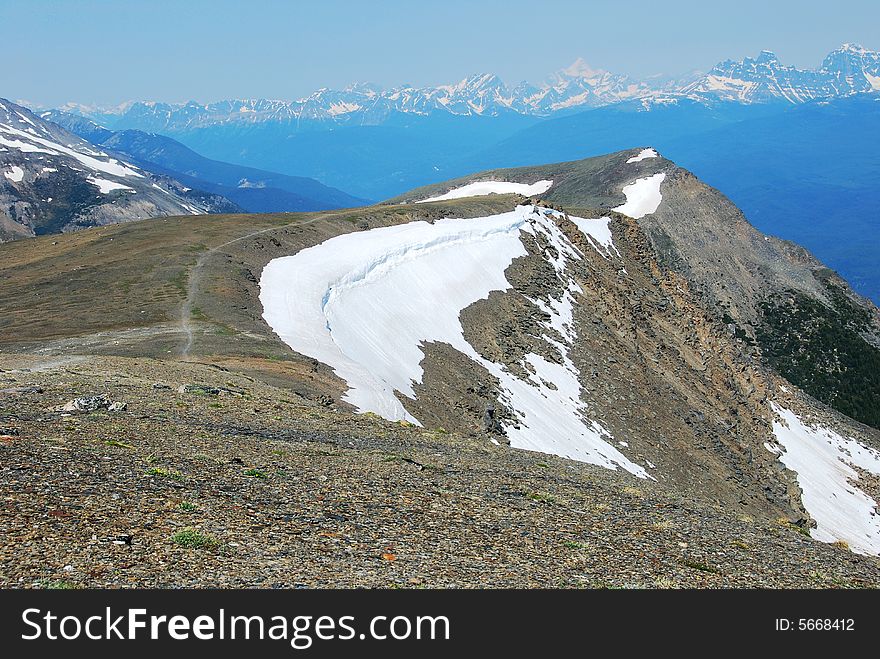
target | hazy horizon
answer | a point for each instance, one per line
(104, 53)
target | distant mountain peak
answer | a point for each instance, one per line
(767, 57)
(853, 48)
(580, 69)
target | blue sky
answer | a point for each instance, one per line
(107, 51)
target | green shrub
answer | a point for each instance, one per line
(190, 538)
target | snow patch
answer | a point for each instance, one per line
(342, 107)
(643, 155)
(16, 175)
(24, 147)
(598, 233)
(106, 186)
(642, 196)
(481, 188)
(823, 461)
(366, 303)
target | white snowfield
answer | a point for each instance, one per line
(106, 186)
(643, 155)
(823, 461)
(16, 175)
(642, 196)
(34, 144)
(482, 188)
(365, 303)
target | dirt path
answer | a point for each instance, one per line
(186, 325)
(46, 365)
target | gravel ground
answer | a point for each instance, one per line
(242, 484)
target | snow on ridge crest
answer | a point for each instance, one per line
(482, 188)
(642, 196)
(643, 155)
(366, 303)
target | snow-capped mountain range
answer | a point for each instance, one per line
(847, 70)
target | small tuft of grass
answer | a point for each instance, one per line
(190, 538)
(58, 584)
(186, 506)
(115, 442)
(162, 472)
(574, 544)
(665, 583)
(702, 567)
(255, 473)
(543, 497)
(788, 524)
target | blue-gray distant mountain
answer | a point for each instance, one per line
(254, 190)
(52, 181)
